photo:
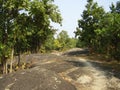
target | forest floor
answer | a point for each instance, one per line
(72, 70)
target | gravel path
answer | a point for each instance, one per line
(91, 78)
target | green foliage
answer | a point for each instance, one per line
(61, 43)
(89, 23)
(63, 38)
(4, 50)
(64, 42)
(41, 13)
(72, 43)
(57, 45)
(100, 31)
(49, 43)
(25, 25)
(109, 34)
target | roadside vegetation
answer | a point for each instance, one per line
(100, 31)
(25, 26)
(61, 43)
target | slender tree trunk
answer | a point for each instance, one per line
(108, 52)
(4, 64)
(19, 59)
(12, 57)
(6, 68)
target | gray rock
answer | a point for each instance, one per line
(34, 79)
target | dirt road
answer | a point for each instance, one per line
(82, 73)
(89, 75)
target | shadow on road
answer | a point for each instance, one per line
(77, 52)
(109, 71)
(77, 63)
(97, 64)
(106, 68)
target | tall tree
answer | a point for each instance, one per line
(89, 23)
(101, 30)
(10, 28)
(63, 39)
(109, 32)
(42, 12)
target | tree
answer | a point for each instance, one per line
(63, 38)
(115, 8)
(25, 25)
(100, 30)
(89, 23)
(42, 12)
(64, 42)
(109, 33)
(49, 43)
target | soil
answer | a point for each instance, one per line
(62, 71)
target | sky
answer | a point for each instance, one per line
(71, 11)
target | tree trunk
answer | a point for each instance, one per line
(19, 59)
(12, 57)
(4, 64)
(6, 68)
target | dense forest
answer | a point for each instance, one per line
(25, 27)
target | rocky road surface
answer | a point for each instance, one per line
(68, 72)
